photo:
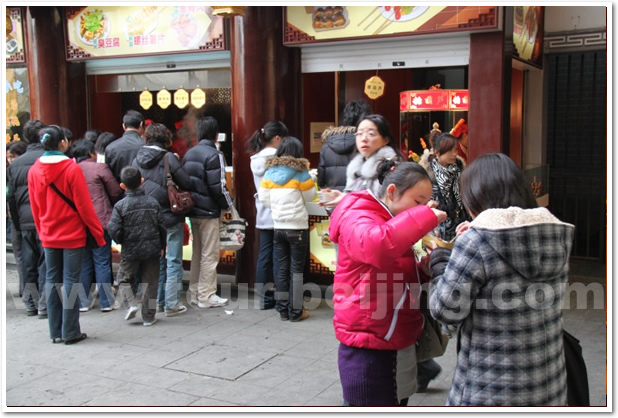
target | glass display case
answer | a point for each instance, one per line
(420, 109)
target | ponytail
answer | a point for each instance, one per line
(402, 174)
(264, 136)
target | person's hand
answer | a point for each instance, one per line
(432, 204)
(162, 253)
(462, 227)
(440, 214)
(177, 156)
(331, 197)
(425, 262)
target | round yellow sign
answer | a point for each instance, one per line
(181, 98)
(164, 99)
(374, 87)
(198, 98)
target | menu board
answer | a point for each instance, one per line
(528, 34)
(308, 24)
(113, 31)
(14, 36)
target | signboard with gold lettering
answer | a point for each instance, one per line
(198, 98)
(14, 36)
(181, 98)
(112, 31)
(528, 34)
(164, 99)
(310, 24)
(374, 87)
(145, 99)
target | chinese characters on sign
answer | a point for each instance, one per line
(433, 100)
(181, 98)
(374, 87)
(145, 99)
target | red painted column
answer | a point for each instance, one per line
(57, 87)
(266, 85)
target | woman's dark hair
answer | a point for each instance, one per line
(207, 128)
(443, 143)
(51, 137)
(131, 177)
(493, 181)
(384, 128)
(103, 141)
(133, 119)
(402, 174)
(157, 133)
(82, 150)
(290, 146)
(17, 148)
(92, 135)
(354, 111)
(265, 135)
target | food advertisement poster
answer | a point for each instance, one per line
(112, 31)
(17, 103)
(316, 129)
(14, 36)
(308, 24)
(528, 34)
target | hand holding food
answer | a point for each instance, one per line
(462, 227)
(440, 214)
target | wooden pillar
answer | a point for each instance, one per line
(266, 85)
(57, 88)
(489, 83)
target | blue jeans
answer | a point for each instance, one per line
(63, 273)
(97, 261)
(265, 269)
(173, 278)
(291, 246)
(33, 271)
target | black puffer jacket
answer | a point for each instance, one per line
(18, 199)
(338, 149)
(137, 225)
(206, 167)
(122, 151)
(149, 160)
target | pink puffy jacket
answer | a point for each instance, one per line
(377, 285)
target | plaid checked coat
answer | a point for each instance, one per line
(504, 284)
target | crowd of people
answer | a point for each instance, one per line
(68, 201)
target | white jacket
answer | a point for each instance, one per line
(263, 217)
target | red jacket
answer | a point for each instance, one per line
(376, 284)
(58, 225)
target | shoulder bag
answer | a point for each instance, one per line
(232, 231)
(181, 201)
(91, 242)
(432, 342)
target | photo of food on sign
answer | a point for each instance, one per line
(93, 24)
(329, 17)
(186, 29)
(141, 22)
(402, 13)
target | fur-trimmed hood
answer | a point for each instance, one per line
(341, 139)
(287, 168)
(362, 173)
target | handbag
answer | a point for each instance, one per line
(181, 201)
(232, 231)
(578, 392)
(432, 342)
(91, 242)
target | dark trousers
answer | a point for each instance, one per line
(149, 269)
(266, 269)
(291, 247)
(33, 271)
(17, 252)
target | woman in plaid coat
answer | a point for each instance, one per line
(504, 285)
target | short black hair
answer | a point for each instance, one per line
(493, 181)
(131, 177)
(290, 146)
(207, 128)
(103, 141)
(82, 150)
(133, 119)
(157, 133)
(92, 135)
(354, 111)
(31, 131)
(17, 147)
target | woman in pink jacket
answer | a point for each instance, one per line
(377, 282)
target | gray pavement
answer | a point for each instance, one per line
(212, 357)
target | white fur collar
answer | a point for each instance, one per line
(368, 168)
(514, 217)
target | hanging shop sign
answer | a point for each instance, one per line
(528, 34)
(181, 98)
(114, 31)
(198, 98)
(458, 99)
(311, 24)
(433, 100)
(145, 99)
(164, 99)
(374, 87)
(14, 36)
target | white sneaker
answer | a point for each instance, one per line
(131, 312)
(214, 301)
(113, 307)
(84, 309)
(147, 324)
